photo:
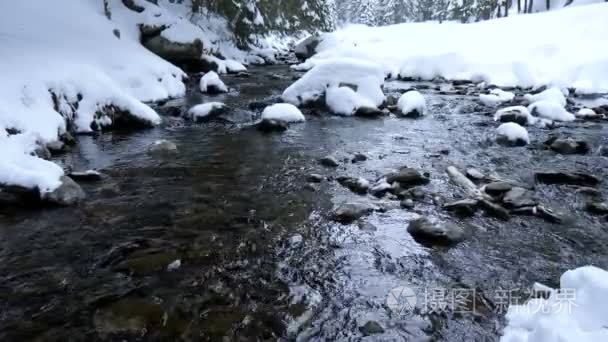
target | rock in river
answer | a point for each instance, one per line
(568, 146)
(350, 212)
(408, 177)
(86, 176)
(329, 161)
(371, 328)
(272, 125)
(519, 197)
(68, 193)
(465, 208)
(598, 208)
(356, 185)
(425, 231)
(163, 147)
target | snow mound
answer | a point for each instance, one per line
(554, 95)
(550, 110)
(366, 77)
(519, 50)
(202, 111)
(512, 133)
(412, 103)
(59, 72)
(576, 312)
(345, 101)
(211, 83)
(284, 112)
(517, 114)
(496, 97)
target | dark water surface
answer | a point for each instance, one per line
(233, 204)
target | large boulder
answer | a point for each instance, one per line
(308, 47)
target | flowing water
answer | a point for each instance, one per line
(260, 258)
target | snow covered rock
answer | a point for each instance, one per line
(206, 111)
(518, 114)
(284, 112)
(277, 117)
(225, 66)
(587, 113)
(212, 84)
(412, 104)
(496, 97)
(367, 77)
(68, 193)
(345, 101)
(576, 312)
(554, 95)
(550, 110)
(512, 134)
(86, 176)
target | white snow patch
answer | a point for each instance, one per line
(211, 81)
(550, 110)
(554, 95)
(496, 97)
(412, 101)
(345, 101)
(512, 132)
(576, 312)
(285, 112)
(367, 77)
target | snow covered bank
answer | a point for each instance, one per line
(565, 48)
(576, 312)
(66, 67)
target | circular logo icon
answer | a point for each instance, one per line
(402, 300)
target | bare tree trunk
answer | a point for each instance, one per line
(548, 2)
(518, 6)
(525, 6)
(507, 5)
(531, 5)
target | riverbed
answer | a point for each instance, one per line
(260, 257)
